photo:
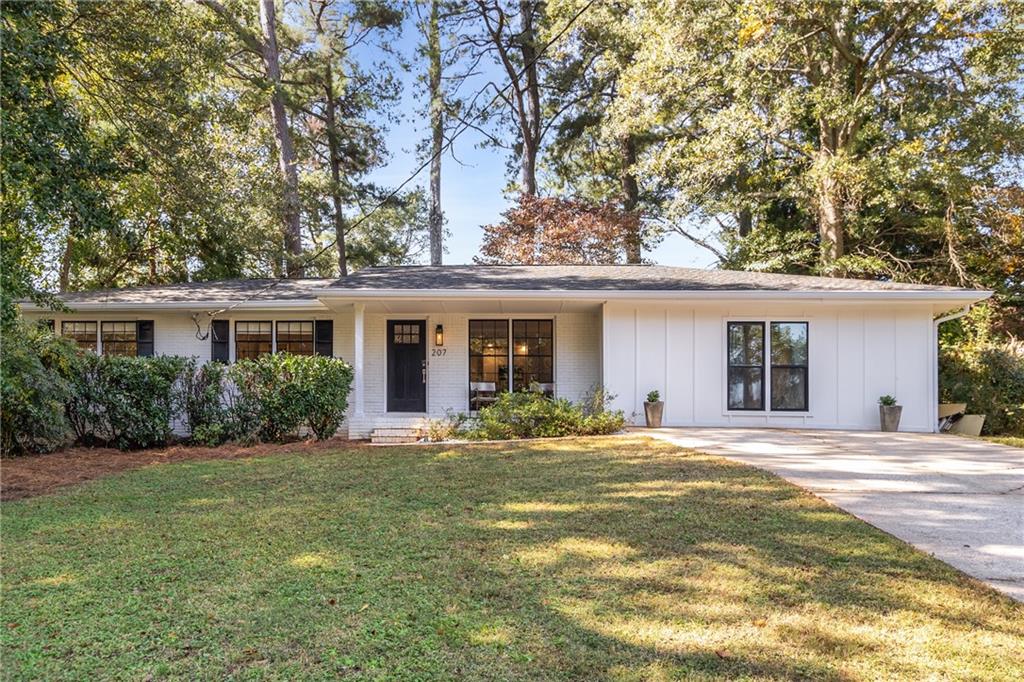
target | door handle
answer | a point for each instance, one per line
(424, 363)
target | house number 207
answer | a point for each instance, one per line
(438, 351)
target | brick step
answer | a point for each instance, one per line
(395, 435)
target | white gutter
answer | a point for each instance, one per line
(935, 351)
(198, 305)
(600, 294)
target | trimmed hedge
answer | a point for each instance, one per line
(530, 414)
(275, 395)
(53, 394)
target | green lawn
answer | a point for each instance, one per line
(1016, 441)
(590, 559)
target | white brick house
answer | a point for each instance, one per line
(723, 348)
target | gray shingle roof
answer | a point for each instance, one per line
(497, 278)
(602, 278)
(188, 292)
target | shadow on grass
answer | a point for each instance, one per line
(572, 559)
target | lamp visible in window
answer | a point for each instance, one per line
(439, 335)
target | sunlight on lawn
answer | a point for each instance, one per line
(616, 558)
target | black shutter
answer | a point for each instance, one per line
(220, 330)
(144, 338)
(323, 337)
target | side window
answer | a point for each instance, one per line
(219, 341)
(253, 339)
(789, 366)
(746, 365)
(82, 333)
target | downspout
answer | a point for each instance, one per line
(935, 349)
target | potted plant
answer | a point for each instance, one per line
(889, 413)
(653, 408)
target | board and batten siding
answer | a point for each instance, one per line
(856, 354)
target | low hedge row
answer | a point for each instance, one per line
(53, 394)
(530, 414)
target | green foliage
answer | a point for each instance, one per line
(986, 372)
(276, 394)
(528, 414)
(653, 396)
(33, 391)
(203, 403)
(887, 401)
(126, 402)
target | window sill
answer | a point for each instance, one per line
(767, 413)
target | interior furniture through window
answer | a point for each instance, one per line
(746, 365)
(295, 337)
(84, 334)
(789, 366)
(488, 359)
(253, 339)
(533, 351)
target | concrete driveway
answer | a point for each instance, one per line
(959, 499)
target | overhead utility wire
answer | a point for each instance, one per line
(391, 195)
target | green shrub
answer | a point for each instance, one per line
(33, 390)
(984, 370)
(532, 415)
(126, 402)
(988, 375)
(451, 427)
(202, 397)
(276, 394)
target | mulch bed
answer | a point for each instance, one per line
(33, 475)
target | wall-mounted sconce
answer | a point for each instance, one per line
(439, 335)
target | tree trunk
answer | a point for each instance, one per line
(745, 221)
(65, 265)
(831, 221)
(630, 197)
(829, 194)
(437, 135)
(151, 251)
(334, 150)
(286, 149)
(531, 133)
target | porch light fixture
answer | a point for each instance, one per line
(439, 335)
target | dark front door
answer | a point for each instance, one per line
(407, 366)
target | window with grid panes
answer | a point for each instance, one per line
(488, 353)
(82, 333)
(295, 337)
(253, 339)
(407, 334)
(533, 353)
(120, 338)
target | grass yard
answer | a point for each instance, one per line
(1015, 441)
(573, 559)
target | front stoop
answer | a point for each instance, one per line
(395, 435)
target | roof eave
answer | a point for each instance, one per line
(286, 304)
(967, 295)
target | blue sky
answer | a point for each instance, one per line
(472, 192)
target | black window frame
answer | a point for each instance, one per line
(220, 341)
(323, 337)
(806, 367)
(104, 343)
(729, 364)
(96, 336)
(550, 355)
(272, 346)
(276, 342)
(507, 355)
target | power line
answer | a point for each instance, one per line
(393, 193)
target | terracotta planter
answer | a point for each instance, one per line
(889, 415)
(653, 411)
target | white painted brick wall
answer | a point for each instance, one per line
(577, 355)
